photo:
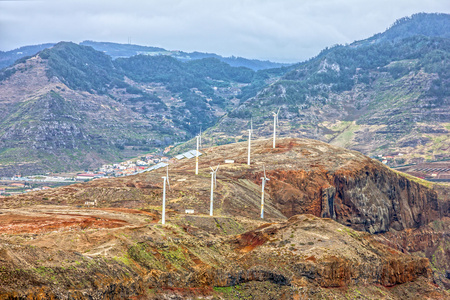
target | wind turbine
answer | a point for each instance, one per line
(264, 179)
(196, 156)
(213, 184)
(249, 141)
(200, 137)
(166, 178)
(275, 122)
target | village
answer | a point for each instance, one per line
(24, 184)
(432, 171)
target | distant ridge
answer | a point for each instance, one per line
(116, 50)
(7, 58)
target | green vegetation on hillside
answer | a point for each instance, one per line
(80, 67)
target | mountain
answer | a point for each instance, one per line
(382, 96)
(333, 227)
(431, 25)
(385, 96)
(115, 50)
(71, 107)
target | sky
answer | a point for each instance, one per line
(276, 30)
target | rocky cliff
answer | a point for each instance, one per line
(370, 198)
(306, 176)
(343, 197)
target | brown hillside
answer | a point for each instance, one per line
(53, 246)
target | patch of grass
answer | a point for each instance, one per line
(176, 257)
(421, 181)
(124, 259)
(344, 138)
(351, 232)
(229, 292)
(224, 290)
(141, 253)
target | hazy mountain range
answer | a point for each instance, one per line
(116, 50)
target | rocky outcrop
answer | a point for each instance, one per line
(381, 199)
(305, 253)
(306, 177)
(358, 192)
(431, 241)
(367, 262)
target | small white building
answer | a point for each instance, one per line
(85, 176)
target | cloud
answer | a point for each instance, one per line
(284, 30)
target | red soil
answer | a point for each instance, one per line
(16, 224)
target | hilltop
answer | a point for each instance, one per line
(335, 225)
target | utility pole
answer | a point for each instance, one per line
(196, 156)
(264, 179)
(249, 141)
(213, 183)
(163, 219)
(275, 122)
(166, 178)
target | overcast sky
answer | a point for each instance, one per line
(277, 30)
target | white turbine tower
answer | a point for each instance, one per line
(264, 179)
(196, 156)
(166, 178)
(249, 141)
(213, 184)
(275, 122)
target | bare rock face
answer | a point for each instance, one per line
(348, 187)
(431, 241)
(356, 262)
(380, 200)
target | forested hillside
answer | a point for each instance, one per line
(77, 107)
(387, 94)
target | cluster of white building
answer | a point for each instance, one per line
(127, 167)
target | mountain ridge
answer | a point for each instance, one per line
(114, 110)
(380, 98)
(117, 50)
